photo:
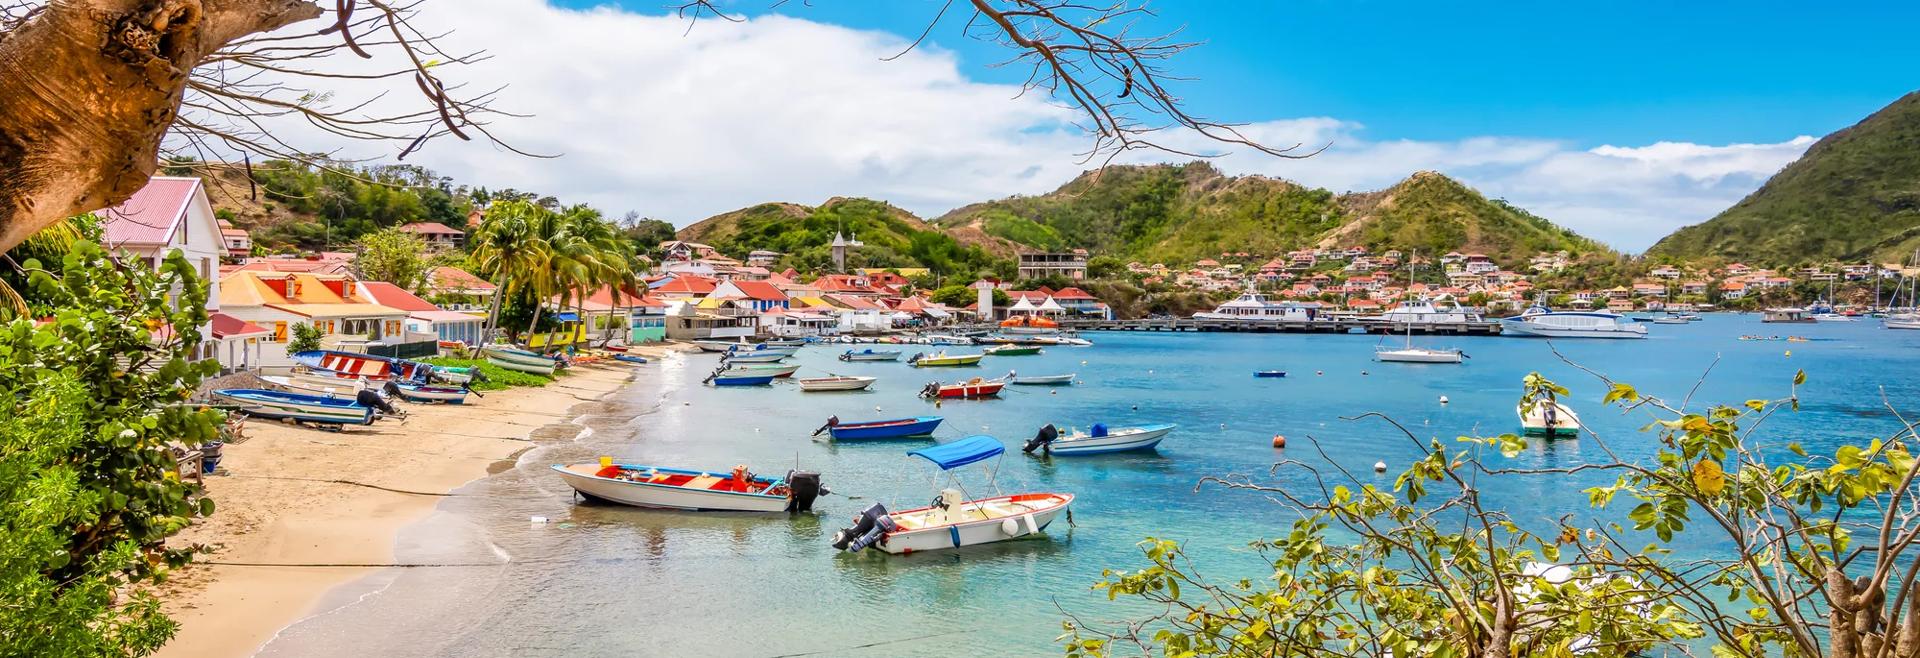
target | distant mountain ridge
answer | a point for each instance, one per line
(1854, 195)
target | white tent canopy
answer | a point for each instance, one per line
(1022, 305)
(1051, 306)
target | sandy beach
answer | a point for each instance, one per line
(284, 503)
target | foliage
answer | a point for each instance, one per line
(958, 295)
(536, 254)
(1850, 197)
(892, 238)
(1814, 560)
(305, 338)
(393, 256)
(49, 244)
(342, 202)
(646, 234)
(88, 485)
(1436, 214)
(494, 378)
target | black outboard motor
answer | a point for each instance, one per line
(370, 398)
(805, 486)
(868, 527)
(1042, 441)
(831, 421)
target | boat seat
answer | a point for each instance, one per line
(702, 482)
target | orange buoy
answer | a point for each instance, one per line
(1279, 441)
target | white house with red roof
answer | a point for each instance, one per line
(423, 317)
(171, 213)
(238, 242)
(237, 342)
(438, 236)
(758, 295)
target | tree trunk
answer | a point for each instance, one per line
(1845, 642)
(1908, 645)
(88, 89)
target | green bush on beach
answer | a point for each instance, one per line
(497, 378)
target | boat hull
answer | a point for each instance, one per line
(1534, 422)
(760, 371)
(948, 361)
(751, 380)
(1015, 350)
(1030, 514)
(870, 356)
(518, 366)
(629, 358)
(961, 391)
(1123, 439)
(1045, 380)
(837, 383)
(1532, 330)
(885, 429)
(640, 494)
(1418, 356)
(293, 406)
(447, 394)
(755, 357)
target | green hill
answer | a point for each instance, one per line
(892, 237)
(1854, 195)
(1175, 213)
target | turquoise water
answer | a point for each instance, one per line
(602, 580)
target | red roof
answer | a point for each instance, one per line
(761, 290)
(454, 277)
(152, 214)
(225, 326)
(688, 283)
(841, 283)
(431, 228)
(391, 296)
(1072, 293)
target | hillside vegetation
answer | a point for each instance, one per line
(892, 237)
(1177, 213)
(1855, 195)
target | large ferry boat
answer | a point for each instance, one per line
(1439, 310)
(1255, 306)
(1538, 321)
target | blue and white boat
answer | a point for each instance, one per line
(353, 365)
(1098, 439)
(414, 392)
(870, 354)
(1542, 323)
(770, 356)
(898, 428)
(629, 358)
(729, 377)
(296, 406)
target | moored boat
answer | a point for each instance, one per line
(1013, 350)
(952, 521)
(722, 377)
(774, 356)
(1540, 322)
(754, 369)
(972, 388)
(1255, 307)
(897, 428)
(1272, 374)
(1098, 439)
(296, 406)
(1786, 315)
(1043, 380)
(1548, 418)
(942, 359)
(1418, 355)
(870, 355)
(674, 488)
(721, 345)
(836, 383)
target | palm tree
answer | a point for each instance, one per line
(50, 243)
(509, 250)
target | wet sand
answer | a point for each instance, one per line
(304, 510)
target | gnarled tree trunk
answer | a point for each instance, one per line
(89, 87)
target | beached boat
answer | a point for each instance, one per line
(1542, 323)
(1044, 380)
(616, 349)
(952, 521)
(298, 384)
(1013, 350)
(870, 355)
(837, 383)
(453, 374)
(630, 358)
(322, 409)
(1098, 439)
(412, 392)
(1786, 315)
(364, 366)
(942, 359)
(898, 428)
(521, 360)
(972, 388)
(753, 369)
(674, 488)
(1547, 418)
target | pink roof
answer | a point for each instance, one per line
(151, 215)
(225, 326)
(761, 290)
(431, 228)
(688, 283)
(453, 277)
(391, 296)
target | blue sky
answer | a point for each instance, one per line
(1620, 120)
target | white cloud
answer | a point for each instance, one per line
(681, 125)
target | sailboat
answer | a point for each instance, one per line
(1411, 354)
(1911, 318)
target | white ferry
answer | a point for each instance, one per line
(1440, 310)
(1538, 321)
(1255, 306)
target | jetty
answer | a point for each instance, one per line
(1315, 326)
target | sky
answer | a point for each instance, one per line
(1622, 120)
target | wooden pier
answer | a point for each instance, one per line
(1321, 326)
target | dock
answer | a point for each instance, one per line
(1319, 326)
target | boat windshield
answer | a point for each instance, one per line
(949, 456)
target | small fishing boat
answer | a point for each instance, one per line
(412, 392)
(837, 383)
(1014, 350)
(952, 521)
(1418, 355)
(1269, 373)
(944, 339)
(521, 360)
(674, 488)
(297, 384)
(786, 342)
(898, 428)
(321, 409)
(616, 349)
(753, 357)
(722, 345)
(1044, 380)
(1548, 418)
(753, 369)
(724, 377)
(972, 388)
(1097, 439)
(365, 366)
(1671, 320)
(942, 359)
(870, 355)
(453, 374)
(630, 358)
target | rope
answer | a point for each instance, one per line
(347, 482)
(870, 645)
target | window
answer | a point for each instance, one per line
(280, 332)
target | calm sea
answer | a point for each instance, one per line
(614, 581)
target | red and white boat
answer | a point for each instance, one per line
(677, 488)
(972, 388)
(952, 522)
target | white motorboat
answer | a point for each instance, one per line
(1833, 317)
(1547, 418)
(316, 386)
(1439, 310)
(758, 356)
(1540, 322)
(714, 345)
(870, 355)
(1098, 440)
(952, 521)
(1251, 305)
(1044, 380)
(1902, 321)
(1411, 354)
(1786, 315)
(836, 383)
(673, 488)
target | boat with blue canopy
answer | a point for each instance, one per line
(952, 521)
(898, 428)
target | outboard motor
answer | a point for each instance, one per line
(1043, 440)
(804, 487)
(931, 391)
(831, 422)
(370, 398)
(867, 528)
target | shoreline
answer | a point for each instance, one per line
(286, 532)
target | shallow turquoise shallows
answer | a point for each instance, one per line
(615, 581)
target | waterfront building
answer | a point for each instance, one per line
(1071, 264)
(330, 303)
(170, 213)
(424, 317)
